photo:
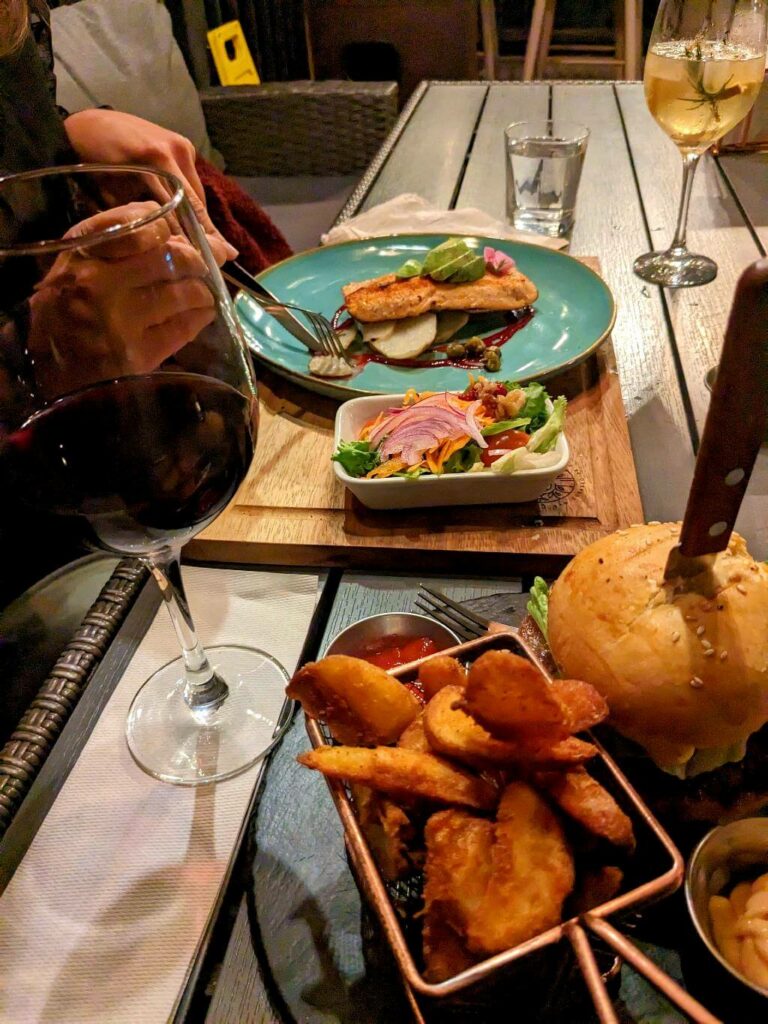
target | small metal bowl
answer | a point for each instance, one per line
(726, 851)
(356, 637)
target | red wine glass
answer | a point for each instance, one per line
(128, 404)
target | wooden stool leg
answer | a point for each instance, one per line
(546, 38)
(490, 37)
(534, 38)
(633, 38)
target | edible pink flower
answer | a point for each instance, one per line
(498, 262)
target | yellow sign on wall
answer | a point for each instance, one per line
(231, 55)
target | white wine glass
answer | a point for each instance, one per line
(128, 406)
(703, 70)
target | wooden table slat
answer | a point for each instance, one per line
(747, 174)
(698, 315)
(609, 221)
(484, 183)
(430, 154)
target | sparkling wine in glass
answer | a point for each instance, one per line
(704, 68)
(128, 404)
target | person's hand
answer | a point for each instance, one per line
(111, 137)
(122, 307)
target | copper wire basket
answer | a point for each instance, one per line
(576, 930)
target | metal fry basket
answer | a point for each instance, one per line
(655, 870)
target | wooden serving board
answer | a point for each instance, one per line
(291, 510)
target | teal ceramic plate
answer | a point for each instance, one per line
(574, 313)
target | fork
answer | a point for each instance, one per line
(468, 625)
(325, 341)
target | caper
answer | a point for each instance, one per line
(456, 350)
(492, 359)
(475, 347)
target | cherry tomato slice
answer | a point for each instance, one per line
(500, 444)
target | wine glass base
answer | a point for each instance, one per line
(190, 748)
(675, 268)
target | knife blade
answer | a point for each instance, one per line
(735, 428)
(240, 277)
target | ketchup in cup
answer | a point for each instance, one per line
(390, 651)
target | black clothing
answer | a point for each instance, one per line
(32, 136)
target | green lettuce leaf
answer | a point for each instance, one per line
(545, 438)
(463, 460)
(535, 408)
(497, 428)
(538, 606)
(356, 457)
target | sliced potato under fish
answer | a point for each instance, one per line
(347, 335)
(378, 330)
(449, 323)
(411, 336)
(329, 366)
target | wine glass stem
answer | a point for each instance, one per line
(203, 688)
(690, 163)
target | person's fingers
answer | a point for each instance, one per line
(161, 302)
(173, 261)
(161, 341)
(184, 155)
(146, 237)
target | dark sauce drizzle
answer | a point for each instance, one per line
(517, 320)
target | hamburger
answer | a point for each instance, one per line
(682, 663)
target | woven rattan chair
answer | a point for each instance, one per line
(285, 129)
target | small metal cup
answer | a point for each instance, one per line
(408, 624)
(725, 851)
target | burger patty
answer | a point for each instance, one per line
(735, 790)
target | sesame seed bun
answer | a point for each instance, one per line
(683, 664)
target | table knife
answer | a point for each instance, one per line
(240, 277)
(735, 428)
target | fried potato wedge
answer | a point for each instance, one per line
(388, 830)
(498, 884)
(511, 698)
(414, 737)
(445, 955)
(596, 886)
(582, 797)
(457, 872)
(403, 774)
(452, 732)
(360, 703)
(439, 672)
(583, 706)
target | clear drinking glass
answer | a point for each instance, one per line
(703, 70)
(544, 161)
(128, 404)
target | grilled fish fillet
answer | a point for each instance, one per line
(393, 298)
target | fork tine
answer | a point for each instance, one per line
(332, 339)
(437, 596)
(463, 631)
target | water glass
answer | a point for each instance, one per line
(544, 160)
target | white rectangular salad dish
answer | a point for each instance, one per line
(478, 487)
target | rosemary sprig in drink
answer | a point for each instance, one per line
(704, 96)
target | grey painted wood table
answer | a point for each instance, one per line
(295, 952)
(447, 146)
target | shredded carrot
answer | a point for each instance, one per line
(368, 427)
(393, 465)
